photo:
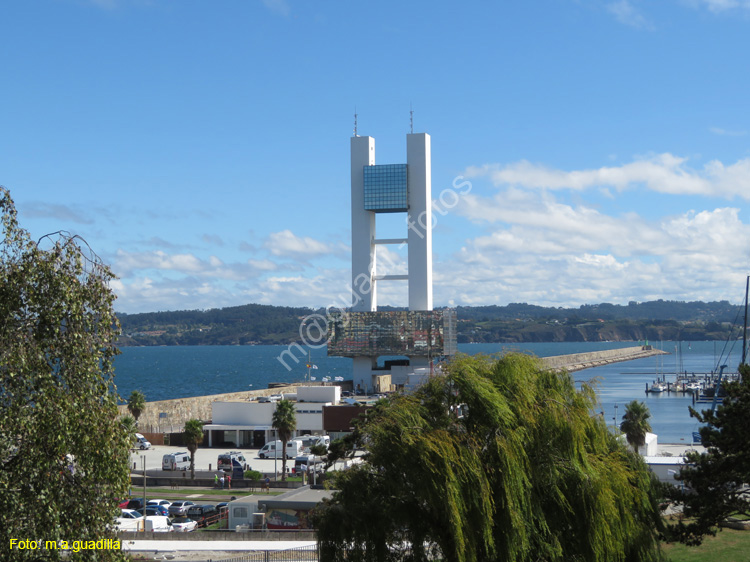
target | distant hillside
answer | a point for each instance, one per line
(517, 322)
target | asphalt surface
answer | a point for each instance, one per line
(205, 461)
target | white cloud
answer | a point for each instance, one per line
(61, 213)
(663, 173)
(726, 133)
(725, 5)
(132, 264)
(212, 239)
(287, 244)
(277, 6)
(627, 14)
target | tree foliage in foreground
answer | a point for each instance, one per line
(63, 448)
(717, 482)
(496, 460)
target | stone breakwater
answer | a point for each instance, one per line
(580, 361)
(168, 416)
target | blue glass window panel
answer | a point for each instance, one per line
(386, 188)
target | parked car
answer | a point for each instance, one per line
(129, 514)
(165, 503)
(180, 507)
(154, 510)
(129, 520)
(183, 524)
(135, 503)
(123, 504)
(202, 513)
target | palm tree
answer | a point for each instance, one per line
(128, 425)
(193, 433)
(136, 404)
(284, 421)
(635, 423)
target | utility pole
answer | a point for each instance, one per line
(143, 458)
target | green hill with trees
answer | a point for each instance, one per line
(254, 324)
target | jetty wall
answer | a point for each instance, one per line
(168, 416)
(580, 361)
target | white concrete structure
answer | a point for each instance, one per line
(666, 468)
(649, 449)
(249, 423)
(419, 220)
(416, 181)
(364, 291)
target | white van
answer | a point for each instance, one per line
(175, 461)
(141, 442)
(312, 440)
(295, 448)
(158, 524)
(230, 461)
(272, 449)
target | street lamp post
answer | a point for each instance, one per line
(614, 419)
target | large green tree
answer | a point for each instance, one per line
(136, 404)
(635, 424)
(716, 483)
(284, 421)
(193, 433)
(63, 449)
(496, 460)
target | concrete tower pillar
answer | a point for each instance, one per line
(364, 291)
(418, 160)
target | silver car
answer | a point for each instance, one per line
(180, 507)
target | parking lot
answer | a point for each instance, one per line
(205, 459)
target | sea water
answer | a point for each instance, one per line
(163, 373)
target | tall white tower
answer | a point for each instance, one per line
(420, 334)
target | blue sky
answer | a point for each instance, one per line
(202, 148)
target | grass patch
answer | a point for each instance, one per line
(728, 545)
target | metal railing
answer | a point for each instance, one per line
(298, 554)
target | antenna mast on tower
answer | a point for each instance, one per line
(355, 122)
(411, 119)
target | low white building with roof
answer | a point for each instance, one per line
(249, 423)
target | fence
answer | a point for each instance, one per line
(298, 554)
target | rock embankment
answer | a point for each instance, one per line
(580, 361)
(169, 416)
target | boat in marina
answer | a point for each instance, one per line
(657, 387)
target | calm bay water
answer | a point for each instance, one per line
(176, 372)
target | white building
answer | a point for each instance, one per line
(249, 423)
